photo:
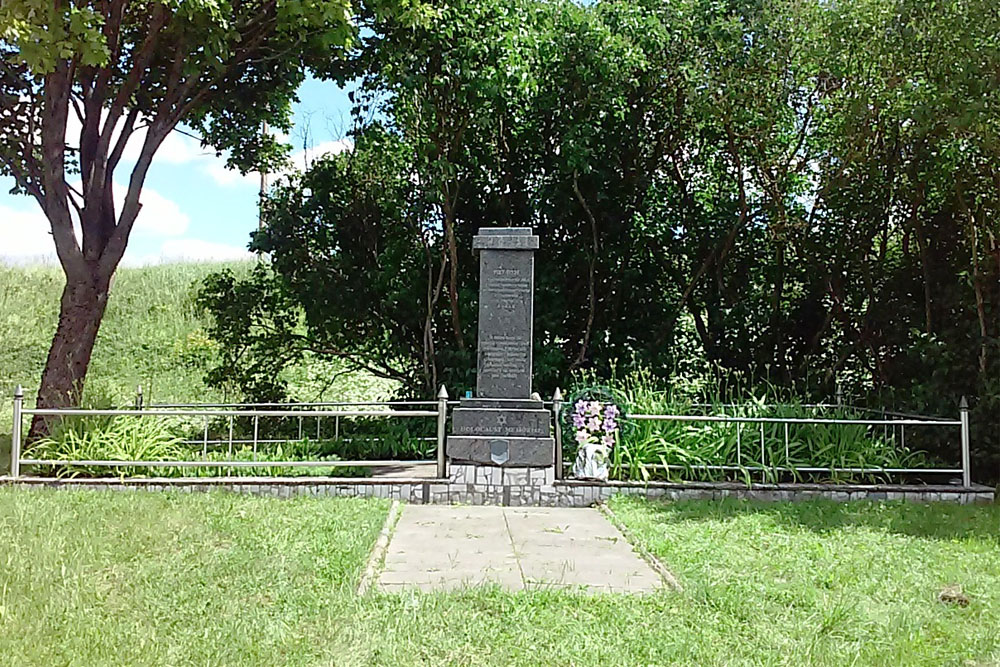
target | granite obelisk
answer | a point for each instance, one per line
(503, 425)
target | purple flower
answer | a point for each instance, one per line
(580, 407)
(582, 436)
(611, 411)
(593, 408)
(594, 423)
(610, 425)
(608, 440)
(579, 421)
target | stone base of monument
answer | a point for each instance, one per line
(512, 486)
(505, 432)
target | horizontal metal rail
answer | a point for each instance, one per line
(220, 464)
(64, 412)
(206, 414)
(675, 466)
(894, 413)
(279, 441)
(808, 406)
(318, 404)
(797, 420)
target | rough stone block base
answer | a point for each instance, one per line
(492, 485)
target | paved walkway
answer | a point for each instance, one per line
(444, 547)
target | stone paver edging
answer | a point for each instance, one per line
(570, 493)
(648, 555)
(377, 556)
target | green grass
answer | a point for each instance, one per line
(149, 578)
(151, 335)
(145, 578)
(828, 583)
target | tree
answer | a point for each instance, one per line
(796, 193)
(116, 69)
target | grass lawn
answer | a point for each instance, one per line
(100, 578)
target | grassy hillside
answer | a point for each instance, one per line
(151, 335)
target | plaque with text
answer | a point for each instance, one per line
(505, 313)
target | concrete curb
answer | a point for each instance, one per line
(668, 577)
(377, 556)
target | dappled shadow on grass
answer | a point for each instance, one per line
(938, 521)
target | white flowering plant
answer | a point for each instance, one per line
(593, 420)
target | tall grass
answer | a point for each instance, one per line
(713, 451)
(152, 335)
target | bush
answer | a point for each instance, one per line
(647, 448)
(108, 438)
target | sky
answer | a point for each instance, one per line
(193, 207)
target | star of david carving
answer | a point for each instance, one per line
(501, 420)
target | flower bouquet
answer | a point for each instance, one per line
(594, 422)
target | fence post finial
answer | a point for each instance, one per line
(442, 419)
(963, 413)
(15, 434)
(557, 401)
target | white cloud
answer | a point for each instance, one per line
(303, 158)
(26, 240)
(177, 148)
(158, 216)
(196, 250)
(298, 161)
(230, 177)
(25, 236)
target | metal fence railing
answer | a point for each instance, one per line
(888, 420)
(749, 430)
(230, 413)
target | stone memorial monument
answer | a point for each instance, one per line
(503, 425)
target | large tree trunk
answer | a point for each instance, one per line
(81, 309)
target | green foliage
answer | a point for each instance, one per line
(748, 451)
(44, 33)
(294, 450)
(151, 330)
(107, 439)
(803, 192)
(154, 336)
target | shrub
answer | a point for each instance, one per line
(108, 438)
(679, 449)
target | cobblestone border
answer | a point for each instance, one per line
(505, 490)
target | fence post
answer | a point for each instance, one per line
(442, 462)
(557, 401)
(15, 434)
(839, 395)
(963, 410)
(138, 397)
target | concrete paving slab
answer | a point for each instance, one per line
(442, 547)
